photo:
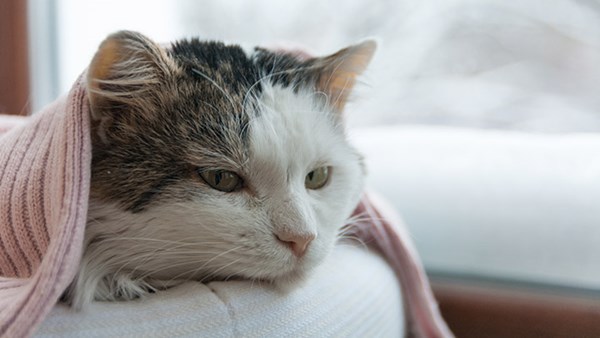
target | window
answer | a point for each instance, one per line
(487, 65)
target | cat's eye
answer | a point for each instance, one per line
(317, 178)
(222, 180)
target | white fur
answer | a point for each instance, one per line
(233, 235)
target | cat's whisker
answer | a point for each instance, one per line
(353, 239)
(210, 105)
(363, 216)
(94, 220)
(203, 266)
(359, 221)
(172, 252)
(347, 84)
(190, 240)
(324, 95)
(168, 248)
(271, 74)
(215, 273)
(214, 83)
(144, 257)
(236, 274)
(165, 266)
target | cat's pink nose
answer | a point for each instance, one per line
(297, 242)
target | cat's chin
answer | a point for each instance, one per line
(290, 281)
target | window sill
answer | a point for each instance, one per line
(488, 309)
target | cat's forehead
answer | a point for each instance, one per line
(229, 66)
(241, 67)
(224, 88)
(292, 135)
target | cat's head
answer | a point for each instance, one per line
(211, 161)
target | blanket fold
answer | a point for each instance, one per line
(44, 186)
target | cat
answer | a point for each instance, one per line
(211, 161)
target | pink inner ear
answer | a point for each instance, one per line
(300, 51)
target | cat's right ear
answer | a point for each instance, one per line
(338, 72)
(126, 68)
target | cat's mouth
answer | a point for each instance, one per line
(285, 271)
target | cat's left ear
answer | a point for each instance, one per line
(338, 72)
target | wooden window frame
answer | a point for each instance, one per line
(14, 58)
(487, 308)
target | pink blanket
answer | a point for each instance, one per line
(44, 185)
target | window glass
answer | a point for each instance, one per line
(490, 64)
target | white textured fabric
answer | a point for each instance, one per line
(353, 294)
(495, 204)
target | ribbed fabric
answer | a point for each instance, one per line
(44, 187)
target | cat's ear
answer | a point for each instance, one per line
(125, 69)
(338, 72)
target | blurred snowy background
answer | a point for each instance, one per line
(531, 65)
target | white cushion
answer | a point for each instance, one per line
(353, 294)
(497, 204)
